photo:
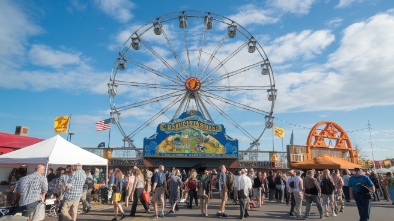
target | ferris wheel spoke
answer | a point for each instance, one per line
(234, 103)
(158, 114)
(213, 55)
(236, 125)
(236, 88)
(149, 85)
(202, 107)
(224, 61)
(227, 75)
(174, 54)
(200, 50)
(186, 100)
(187, 51)
(179, 77)
(149, 101)
(158, 73)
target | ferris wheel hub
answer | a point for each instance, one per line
(193, 84)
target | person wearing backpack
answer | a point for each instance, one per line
(192, 186)
(355, 190)
(327, 191)
(312, 191)
(290, 186)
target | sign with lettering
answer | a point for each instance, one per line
(190, 136)
(126, 162)
(257, 164)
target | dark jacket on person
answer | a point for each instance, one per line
(257, 182)
(271, 182)
(374, 180)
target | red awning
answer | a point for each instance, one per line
(16, 141)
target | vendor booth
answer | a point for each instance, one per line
(326, 162)
(53, 151)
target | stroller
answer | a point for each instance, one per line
(8, 202)
(54, 204)
(105, 194)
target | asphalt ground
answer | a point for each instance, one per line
(380, 211)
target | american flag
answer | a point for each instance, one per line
(104, 124)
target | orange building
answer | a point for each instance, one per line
(327, 147)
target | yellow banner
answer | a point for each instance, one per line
(279, 132)
(61, 124)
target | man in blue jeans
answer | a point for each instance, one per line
(32, 189)
(355, 191)
(312, 191)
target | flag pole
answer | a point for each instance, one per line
(68, 128)
(282, 143)
(273, 142)
(109, 136)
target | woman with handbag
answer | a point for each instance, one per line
(175, 183)
(117, 196)
(138, 189)
(327, 192)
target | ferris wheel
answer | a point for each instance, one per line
(192, 60)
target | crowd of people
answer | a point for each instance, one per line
(328, 190)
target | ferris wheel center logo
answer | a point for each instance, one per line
(193, 84)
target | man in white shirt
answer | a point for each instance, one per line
(244, 186)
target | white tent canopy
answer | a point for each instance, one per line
(53, 151)
(382, 170)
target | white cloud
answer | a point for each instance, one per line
(294, 6)
(77, 5)
(334, 23)
(303, 45)
(76, 75)
(357, 75)
(252, 14)
(347, 3)
(42, 55)
(117, 9)
(15, 29)
(76, 80)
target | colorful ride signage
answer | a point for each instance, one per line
(190, 136)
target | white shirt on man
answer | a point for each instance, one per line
(244, 183)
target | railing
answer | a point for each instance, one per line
(297, 157)
(247, 159)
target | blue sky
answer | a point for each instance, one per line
(332, 60)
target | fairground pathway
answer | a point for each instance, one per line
(380, 211)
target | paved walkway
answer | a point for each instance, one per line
(380, 211)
